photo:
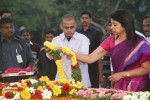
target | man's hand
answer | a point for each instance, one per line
(101, 80)
(48, 53)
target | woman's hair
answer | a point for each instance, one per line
(127, 21)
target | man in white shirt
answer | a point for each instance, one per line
(76, 42)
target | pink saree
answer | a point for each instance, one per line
(125, 58)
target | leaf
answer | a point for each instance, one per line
(56, 54)
(76, 74)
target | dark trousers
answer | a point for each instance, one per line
(94, 75)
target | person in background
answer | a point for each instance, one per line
(146, 27)
(130, 54)
(106, 58)
(49, 36)
(46, 66)
(14, 52)
(34, 46)
(6, 13)
(76, 42)
(95, 36)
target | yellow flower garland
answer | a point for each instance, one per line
(58, 61)
(76, 70)
(69, 52)
(60, 69)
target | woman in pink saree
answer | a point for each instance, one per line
(125, 59)
(130, 54)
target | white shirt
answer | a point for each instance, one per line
(139, 33)
(78, 43)
(148, 39)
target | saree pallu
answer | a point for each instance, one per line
(125, 58)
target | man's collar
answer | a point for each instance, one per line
(14, 38)
(63, 36)
(81, 28)
(31, 43)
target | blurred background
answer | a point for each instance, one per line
(39, 16)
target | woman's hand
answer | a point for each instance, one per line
(116, 77)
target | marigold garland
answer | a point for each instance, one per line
(76, 73)
(57, 58)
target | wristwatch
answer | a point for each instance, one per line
(127, 74)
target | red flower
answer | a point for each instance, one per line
(75, 66)
(20, 89)
(16, 70)
(20, 81)
(28, 69)
(59, 58)
(66, 88)
(2, 85)
(49, 88)
(56, 83)
(28, 83)
(37, 94)
(8, 95)
(15, 85)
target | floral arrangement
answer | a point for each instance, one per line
(137, 96)
(42, 88)
(111, 94)
(101, 94)
(76, 74)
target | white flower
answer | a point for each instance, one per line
(46, 94)
(3, 98)
(134, 97)
(127, 97)
(8, 88)
(74, 84)
(143, 97)
(17, 96)
(22, 81)
(15, 83)
(33, 81)
(31, 89)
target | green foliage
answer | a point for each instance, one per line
(56, 54)
(76, 74)
(37, 84)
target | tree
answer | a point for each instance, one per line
(42, 15)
